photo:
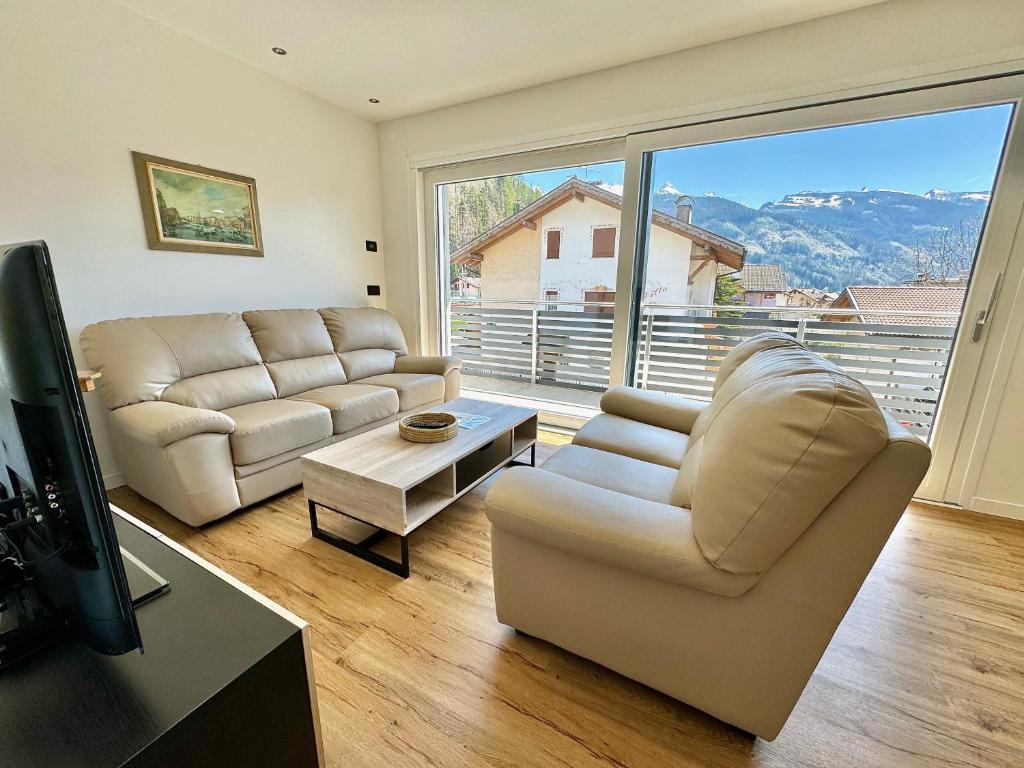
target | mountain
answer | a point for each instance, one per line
(829, 240)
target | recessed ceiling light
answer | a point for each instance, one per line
(375, 101)
(279, 51)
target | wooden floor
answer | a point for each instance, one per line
(927, 669)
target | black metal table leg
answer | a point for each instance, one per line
(362, 549)
(533, 458)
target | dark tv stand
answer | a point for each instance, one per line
(144, 583)
(29, 624)
(226, 681)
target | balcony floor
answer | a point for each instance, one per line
(571, 402)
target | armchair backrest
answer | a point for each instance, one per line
(785, 433)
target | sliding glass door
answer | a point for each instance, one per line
(527, 270)
(857, 240)
(876, 232)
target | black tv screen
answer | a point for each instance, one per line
(48, 462)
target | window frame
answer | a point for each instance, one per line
(551, 296)
(824, 105)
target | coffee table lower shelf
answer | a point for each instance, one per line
(363, 549)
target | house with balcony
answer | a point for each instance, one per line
(563, 247)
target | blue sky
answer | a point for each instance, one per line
(957, 151)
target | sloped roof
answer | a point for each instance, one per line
(722, 249)
(815, 293)
(763, 277)
(905, 298)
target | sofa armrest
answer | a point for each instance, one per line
(159, 423)
(659, 409)
(622, 531)
(436, 364)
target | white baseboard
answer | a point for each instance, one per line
(998, 508)
(114, 480)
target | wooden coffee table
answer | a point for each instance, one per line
(395, 486)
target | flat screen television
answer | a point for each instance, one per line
(60, 565)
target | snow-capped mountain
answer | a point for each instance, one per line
(956, 197)
(829, 240)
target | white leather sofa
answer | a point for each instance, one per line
(210, 413)
(708, 550)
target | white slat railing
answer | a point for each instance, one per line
(559, 344)
(900, 357)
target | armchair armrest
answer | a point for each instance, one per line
(659, 409)
(160, 423)
(622, 531)
(435, 364)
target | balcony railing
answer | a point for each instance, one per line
(899, 356)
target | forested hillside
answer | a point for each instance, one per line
(476, 206)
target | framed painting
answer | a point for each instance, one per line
(190, 208)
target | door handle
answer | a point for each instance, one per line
(984, 316)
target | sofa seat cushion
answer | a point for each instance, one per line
(353, 405)
(634, 439)
(271, 427)
(622, 532)
(414, 389)
(633, 477)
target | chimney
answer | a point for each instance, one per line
(684, 208)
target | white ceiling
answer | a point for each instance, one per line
(417, 55)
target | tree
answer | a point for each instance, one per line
(476, 206)
(728, 290)
(948, 254)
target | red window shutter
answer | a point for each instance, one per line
(554, 243)
(604, 243)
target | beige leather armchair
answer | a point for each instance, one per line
(708, 550)
(210, 413)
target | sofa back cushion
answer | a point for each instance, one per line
(367, 340)
(795, 430)
(206, 361)
(296, 348)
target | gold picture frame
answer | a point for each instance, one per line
(188, 207)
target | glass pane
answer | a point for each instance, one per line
(531, 262)
(858, 240)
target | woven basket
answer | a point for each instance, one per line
(448, 427)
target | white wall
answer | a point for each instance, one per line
(669, 267)
(84, 82)
(575, 271)
(871, 47)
